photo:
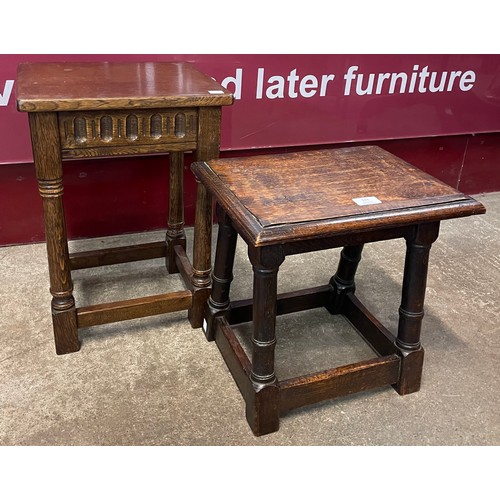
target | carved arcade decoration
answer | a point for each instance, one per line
(79, 110)
(96, 129)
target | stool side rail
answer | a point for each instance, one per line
(123, 310)
(338, 382)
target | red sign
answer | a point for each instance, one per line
(290, 100)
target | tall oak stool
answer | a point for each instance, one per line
(84, 110)
(301, 202)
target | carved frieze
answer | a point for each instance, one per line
(98, 129)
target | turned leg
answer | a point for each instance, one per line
(263, 411)
(46, 153)
(222, 276)
(175, 229)
(411, 311)
(342, 282)
(208, 149)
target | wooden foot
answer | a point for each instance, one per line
(263, 410)
(64, 322)
(410, 374)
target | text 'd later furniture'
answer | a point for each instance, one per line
(301, 202)
(82, 110)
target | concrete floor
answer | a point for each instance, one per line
(156, 381)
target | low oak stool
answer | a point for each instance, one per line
(301, 202)
(86, 110)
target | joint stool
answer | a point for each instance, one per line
(301, 202)
(90, 110)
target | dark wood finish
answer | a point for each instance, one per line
(184, 266)
(133, 149)
(262, 401)
(208, 148)
(222, 275)
(271, 201)
(117, 255)
(342, 282)
(338, 382)
(241, 311)
(263, 410)
(235, 357)
(133, 308)
(410, 376)
(294, 203)
(411, 311)
(102, 129)
(79, 110)
(46, 153)
(70, 86)
(265, 283)
(175, 229)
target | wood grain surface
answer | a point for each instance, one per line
(284, 197)
(103, 85)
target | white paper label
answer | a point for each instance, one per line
(367, 200)
(215, 91)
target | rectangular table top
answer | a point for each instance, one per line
(69, 86)
(287, 197)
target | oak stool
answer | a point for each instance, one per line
(90, 110)
(294, 203)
